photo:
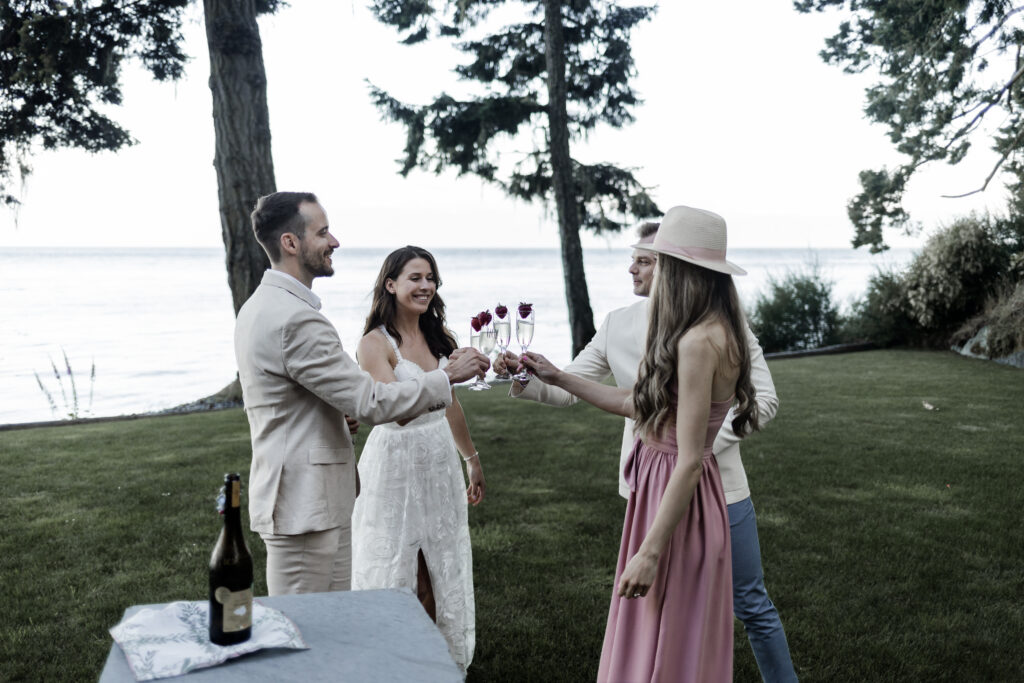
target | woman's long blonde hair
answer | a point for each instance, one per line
(685, 295)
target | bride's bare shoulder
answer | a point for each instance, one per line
(374, 345)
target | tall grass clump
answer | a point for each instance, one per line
(72, 408)
(1006, 324)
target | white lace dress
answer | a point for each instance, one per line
(414, 498)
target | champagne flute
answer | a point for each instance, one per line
(481, 338)
(503, 331)
(524, 335)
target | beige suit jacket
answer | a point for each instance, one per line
(617, 349)
(298, 384)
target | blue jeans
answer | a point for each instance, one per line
(750, 602)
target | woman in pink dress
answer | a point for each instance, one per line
(671, 610)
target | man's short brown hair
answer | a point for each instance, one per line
(646, 229)
(276, 214)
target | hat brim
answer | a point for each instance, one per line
(719, 266)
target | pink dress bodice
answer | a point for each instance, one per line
(666, 440)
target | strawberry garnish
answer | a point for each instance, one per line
(476, 324)
(501, 311)
(485, 317)
(525, 310)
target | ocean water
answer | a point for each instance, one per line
(157, 324)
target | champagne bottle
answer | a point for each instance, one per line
(230, 572)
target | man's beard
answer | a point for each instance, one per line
(318, 267)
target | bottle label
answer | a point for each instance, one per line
(236, 489)
(237, 608)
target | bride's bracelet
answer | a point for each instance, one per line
(476, 454)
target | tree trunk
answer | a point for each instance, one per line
(241, 122)
(581, 317)
(242, 160)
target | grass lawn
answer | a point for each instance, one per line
(891, 533)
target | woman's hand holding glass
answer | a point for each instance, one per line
(540, 367)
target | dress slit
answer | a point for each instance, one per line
(424, 586)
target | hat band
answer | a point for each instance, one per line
(695, 253)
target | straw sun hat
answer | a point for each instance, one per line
(695, 236)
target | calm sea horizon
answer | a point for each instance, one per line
(157, 323)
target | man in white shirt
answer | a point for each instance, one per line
(616, 350)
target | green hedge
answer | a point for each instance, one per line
(797, 312)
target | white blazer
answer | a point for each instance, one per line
(298, 384)
(617, 349)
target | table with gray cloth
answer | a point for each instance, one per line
(377, 635)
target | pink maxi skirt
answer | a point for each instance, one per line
(682, 629)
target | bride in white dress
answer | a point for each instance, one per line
(409, 525)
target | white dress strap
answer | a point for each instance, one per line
(384, 331)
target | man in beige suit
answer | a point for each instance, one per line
(298, 385)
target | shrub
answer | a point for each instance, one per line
(949, 291)
(959, 270)
(883, 315)
(797, 313)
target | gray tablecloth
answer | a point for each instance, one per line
(382, 635)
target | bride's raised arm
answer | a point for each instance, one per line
(615, 400)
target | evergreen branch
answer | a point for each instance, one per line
(418, 17)
(980, 115)
(999, 25)
(968, 111)
(1009, 93)
(995, 169)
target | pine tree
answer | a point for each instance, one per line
(563, 70)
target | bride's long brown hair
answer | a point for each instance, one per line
(685, 295)
(383, 310)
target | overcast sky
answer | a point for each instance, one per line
(740, 117)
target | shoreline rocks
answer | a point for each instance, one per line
(977, 347)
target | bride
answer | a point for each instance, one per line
(409, 525)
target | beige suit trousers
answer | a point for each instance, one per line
(316, 562)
